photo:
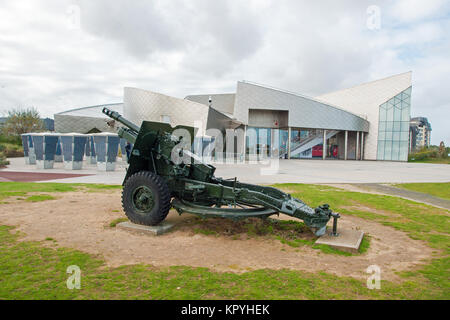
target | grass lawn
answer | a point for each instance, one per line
(8, 189)
(29, 270)
(440, 190)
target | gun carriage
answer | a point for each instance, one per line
(163, 173)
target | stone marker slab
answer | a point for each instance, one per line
(348, 240)
(153, 230)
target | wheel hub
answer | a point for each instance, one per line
(143, 200)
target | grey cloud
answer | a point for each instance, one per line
(139, 26)
(182, 47)
(146, 27)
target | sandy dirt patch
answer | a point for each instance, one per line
(80, 220)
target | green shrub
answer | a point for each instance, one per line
(12, 139)
(3, 161)
(11, 153)
(431, 152)
(11, 150)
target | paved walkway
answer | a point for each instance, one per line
(337, 171)
(21, 176)
(363, 176)
(286, 171)
(407, 194)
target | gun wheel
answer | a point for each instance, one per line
(146, 198)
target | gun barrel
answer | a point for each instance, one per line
(118, 117)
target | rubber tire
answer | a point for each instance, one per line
(161, 194)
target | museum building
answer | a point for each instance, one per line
(369, 121)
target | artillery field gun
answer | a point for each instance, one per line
(164, 173)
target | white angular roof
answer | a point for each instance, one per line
(362, 98)
(93, 111)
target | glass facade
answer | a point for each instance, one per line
(266, 142)
(332, 151)
(393, 127)
(258, 141)
(305, 143)
(308, 143)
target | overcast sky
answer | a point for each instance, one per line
(57, 55)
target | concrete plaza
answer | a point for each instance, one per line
(285, 171)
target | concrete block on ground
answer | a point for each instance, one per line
(93, 157)
(87, 149)
(79, 145)
(31, 153)
(106, 149)
(38, 144)
(73, 147)
(348, 240)
(26, 147)
(67, 147)
(45, 149)
(58, 154)
(123, 151)
(163, 227)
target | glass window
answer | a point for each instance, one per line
(404, 136)
(403, 154)
(284, 136)
(263, 147)
(407, 100)
(307, 143)
(408, 91)
(382, 114)
(405, 126)
(393, 127)
(406, 114)
(396, 136)
(380, 155)
(391, 103)
(252, 141)
(390, 114)
(388, 150)
(388, 135)
(389, 126)
(332, 151)
(395, 150)
(397, 114)
(405, 103)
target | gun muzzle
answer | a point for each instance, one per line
(118, 117)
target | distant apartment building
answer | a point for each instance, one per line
(420, 133)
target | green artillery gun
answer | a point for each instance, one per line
(164, 173)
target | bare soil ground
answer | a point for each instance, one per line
(80, 220)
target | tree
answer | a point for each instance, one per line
(23, 121)
(442, 150)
